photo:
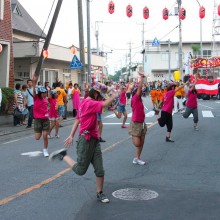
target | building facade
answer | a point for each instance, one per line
(6, 55)
(23, 40)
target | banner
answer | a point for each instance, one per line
(203, 86)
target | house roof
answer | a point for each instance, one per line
(23, 22)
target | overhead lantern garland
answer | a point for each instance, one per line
(219, 10)
(182, 13)
(202, 12)
(146, 12)
(111, 7)
(165, 14)
(129, 11)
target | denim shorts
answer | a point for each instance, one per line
(61, 110)
(121, 108)
(99, 116)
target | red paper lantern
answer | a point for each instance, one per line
(1, 48)
(146, 12)
(182, 13)
(45, 54)
(73, 50)
(165, 13)
(202, 12)
(129, 11)
(219, 10)
(111, 7)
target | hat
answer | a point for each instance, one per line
(134, 88)
(41, 89)
(53, 92)
(97, 87)
(170, 84)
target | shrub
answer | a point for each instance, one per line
(7, 99)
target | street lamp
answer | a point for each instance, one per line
(201, 51)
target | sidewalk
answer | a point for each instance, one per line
(7, 127)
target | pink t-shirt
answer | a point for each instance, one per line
(122, 98)
(87, 116)
(138, 114)
(191, 100)
(53, 111)
(40, 108)
(168, 101)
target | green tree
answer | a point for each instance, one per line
(196, 49)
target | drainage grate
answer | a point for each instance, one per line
(134, 194)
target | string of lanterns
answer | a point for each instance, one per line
(205, 63)
(165, 11)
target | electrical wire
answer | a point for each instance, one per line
(168, 33)
(46, 21)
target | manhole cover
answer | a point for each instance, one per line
(135, 194)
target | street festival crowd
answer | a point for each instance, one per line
(45, 107)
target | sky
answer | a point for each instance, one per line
(117, 31)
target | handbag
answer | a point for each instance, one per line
(17, 113)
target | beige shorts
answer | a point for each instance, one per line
(137, 129)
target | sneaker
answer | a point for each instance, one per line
(102, 197)
(45, 152)
(168, 139)
(49, 136)
(138, 161)
(57, 136)
(123, 126)
(28, 126)
(157, 111)
(196, 128)
(101, 140)
(58, 154)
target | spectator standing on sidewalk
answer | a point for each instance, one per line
(178, 98)
(62, 99)
(137, 127)
(40, 110)
(30, 102)
(75, 98)
(88, 146)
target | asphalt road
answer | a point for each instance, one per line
(184, 175)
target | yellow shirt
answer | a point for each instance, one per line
(180, 92)
(61, 95)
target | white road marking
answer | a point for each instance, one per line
(145, 107)
(18, 139)
(111, 116)
(206, 106)
(32, 154)
(207, 114)
(149, 115)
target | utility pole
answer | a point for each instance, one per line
(82, 79)
(169, 59)
(88, 42)
(48, 38)
(143, 48)
(129, 59)
(180, 41)
(97, 35)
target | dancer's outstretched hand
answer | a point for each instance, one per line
(68, 142)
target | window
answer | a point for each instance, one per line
(26, 75)
(17, 11)
(1, 9)
(164, 56)
(207, 53)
